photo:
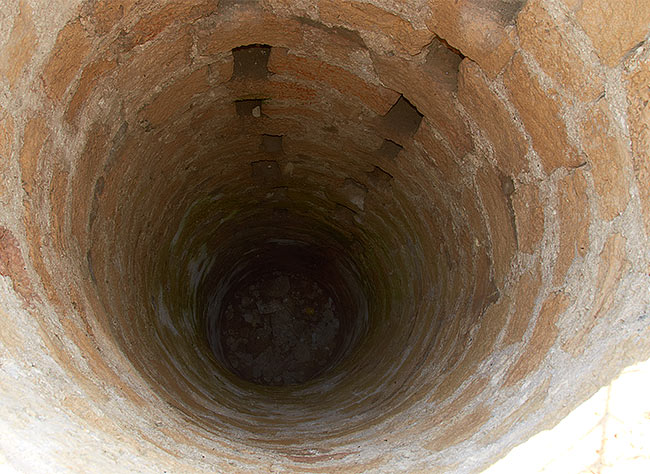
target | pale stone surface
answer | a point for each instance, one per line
(608, 433)
(540, 110)
(614, 26)
(553, 47)
(480, 226)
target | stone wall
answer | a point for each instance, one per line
(483, 166)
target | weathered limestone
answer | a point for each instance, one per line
(477, 173)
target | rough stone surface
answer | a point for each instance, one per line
(529, 217)
(609, 159)
(639, 113)
(448, 172)
(573, 216)
(492, 116)
(614, 27)
(550, 42)
(540, 111)
(17, 52)
(72, 45)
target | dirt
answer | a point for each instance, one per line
(281, 328)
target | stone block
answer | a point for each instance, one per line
(550, 41)
(36, 131)
(614, 26)
(365, 17)
(502, 233)
(541, 112)
(574, 216)
(542, 339)
(69, 52)
(609, 160)
(18, 50)
(529, 217)
(490, 114)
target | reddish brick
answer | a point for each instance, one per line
(168, 54)
(6, 137)
(477, 32)
(436, 104)
(176, 97)
(21, 45)
(69, 52)
(151, 25)
(106, 13)
(445, 163)
(541, 112)
(249, 26)
(86, 171)
(12, 265)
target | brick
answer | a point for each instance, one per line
(367, 17)
(176, 97)
(492, 117)
(89, 79)
(574, 216)
(477, 32)
(18, 51)
(377, 98)
(550, 42)
(525, 293)
(541, 340)
(70, 50)
(638, 97)
(36, 131)
(609, 159)
(502, 232)
(613, 265)
(540, 111)
(529, 217)
(614, 26)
